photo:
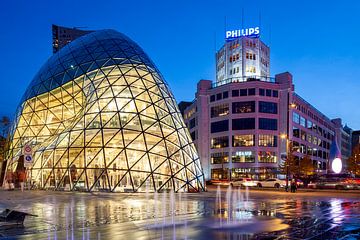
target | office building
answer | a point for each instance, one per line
(243, 122)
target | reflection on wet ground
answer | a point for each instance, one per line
(226, 214)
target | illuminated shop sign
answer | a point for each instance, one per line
(243, 153)
(248, 32)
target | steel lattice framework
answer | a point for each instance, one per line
(100, 117)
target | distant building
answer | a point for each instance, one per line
(355, 138)
(63, 35)
(183, 105)
(343, 138)
(236, 122)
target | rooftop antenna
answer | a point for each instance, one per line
(242, 18)
(269, 35)
(260, 21)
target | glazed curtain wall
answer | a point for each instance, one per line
(116, 128)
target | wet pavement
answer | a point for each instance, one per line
(216, 214)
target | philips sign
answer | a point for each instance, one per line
(248, 32)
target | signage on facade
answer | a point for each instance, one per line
(243, 153)
(27, 150)
(28, 160)
(246, 32)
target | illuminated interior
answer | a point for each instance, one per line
(114, 127)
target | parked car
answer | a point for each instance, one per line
(272, 182)
(220, 182)
(244, 182)
(333, 183)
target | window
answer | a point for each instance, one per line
(243, 123)
(220, 142)
(235, 93)
(267, 157)
(220, 110)
(219, 173)
(218, 96)
(219, 158)
(275, 93)
(268, 124)
(243, 92)
(262, 92)
(193, 135)
(296, 132)
(243, 107)
(268, 92)
(225, 94)
(251, 91)
(243, 156)
(192, 123)
(303, 135)
(302, 121)
(220, 126)
(250, 69)
(266, 140)
(309, 125)
(212, 98)
(296, 118)
(243, 140)
(268, 107)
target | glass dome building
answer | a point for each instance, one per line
(100, 117)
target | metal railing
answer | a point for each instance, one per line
(244, 79)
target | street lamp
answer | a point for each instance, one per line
(285, 137)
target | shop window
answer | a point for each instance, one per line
(243, 157)
(219, 157)
(267, 157)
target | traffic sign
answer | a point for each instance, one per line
(27, 150)
(28, 160)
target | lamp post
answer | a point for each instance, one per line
(285, 137)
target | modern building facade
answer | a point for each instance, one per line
(99, 116)
(63, 35)
(237, 121)
(242, 58)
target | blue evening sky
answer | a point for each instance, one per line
(317, 41)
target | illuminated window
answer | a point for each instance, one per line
(266, 140)
(243, 140)
(220, 142)
(243, 107)
(243, 156)
(220, 110)
(267, 157)
(219, 157)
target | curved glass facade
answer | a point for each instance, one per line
(100, 117)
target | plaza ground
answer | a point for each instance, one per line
(216, 214)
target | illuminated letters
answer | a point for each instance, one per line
(250, 32)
